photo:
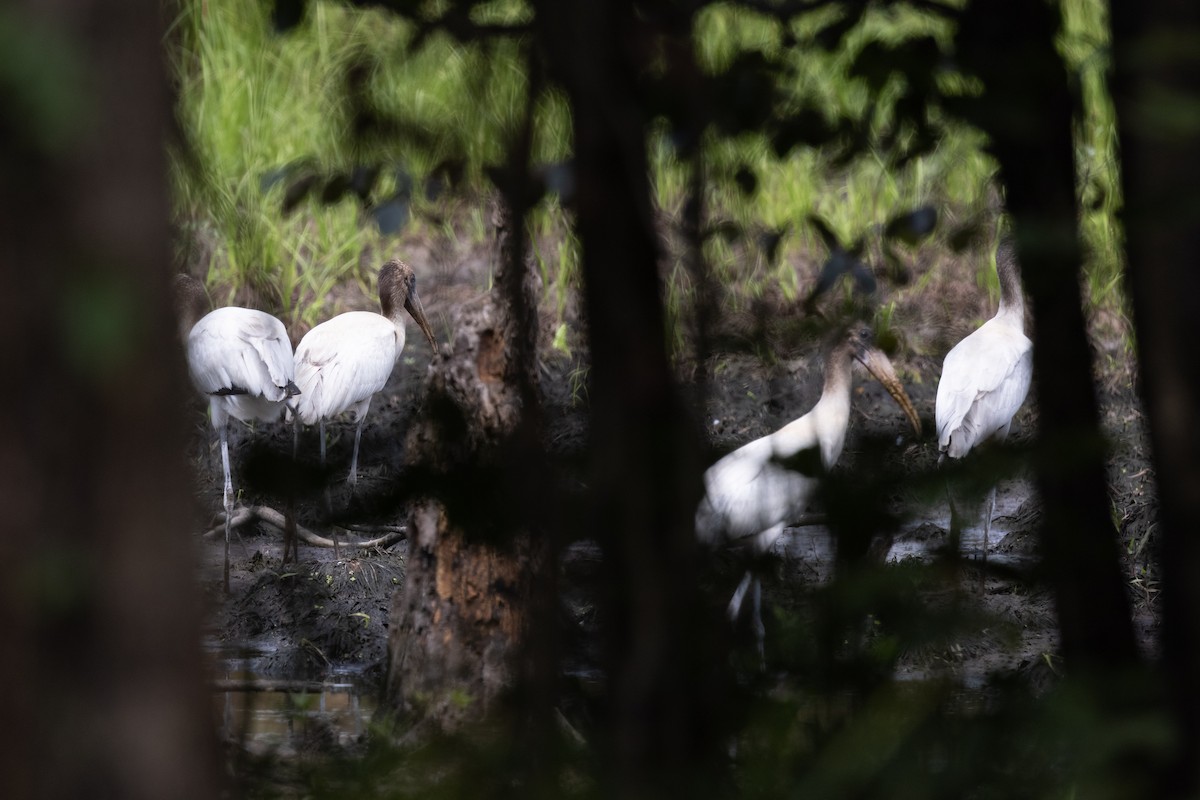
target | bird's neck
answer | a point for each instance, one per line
(833, 409)
(1012, 300)
(393, 313)
(828, 419)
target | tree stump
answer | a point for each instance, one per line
(460, 621)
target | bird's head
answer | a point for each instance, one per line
(191, 302)
(398, 289)
(861, 342)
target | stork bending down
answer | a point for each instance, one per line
(241, 359)
(752, 493)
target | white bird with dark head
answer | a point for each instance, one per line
(986, 377)
(343, 362)
(752, 493)
(241, 359)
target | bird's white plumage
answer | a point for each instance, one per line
(754, 491)
(985, 379)
(242, 359)
(751, 494)
(343, 362)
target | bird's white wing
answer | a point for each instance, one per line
(342, 362)
(985, 379)
(270, 340)
(240, 350)
(748, 492)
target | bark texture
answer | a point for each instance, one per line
(1026, 111)
(1160, 176)
(459, 625)
(101, 625)
(644, 464)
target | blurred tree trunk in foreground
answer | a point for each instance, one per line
(462, 621)
(1026, 112)
(102, 632)
(644, 460)
(1157, 87)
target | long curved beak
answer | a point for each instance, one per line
(412, 304)
(879, 366)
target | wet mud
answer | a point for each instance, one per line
(325, 616)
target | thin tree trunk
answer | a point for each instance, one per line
(1161, 181)
(1026, 111)
(645, 461)
(462, 621)
(100, 620)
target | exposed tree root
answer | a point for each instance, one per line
(270, 516)
(269, 685)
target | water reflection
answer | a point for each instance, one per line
(810, 548)
(264, 713)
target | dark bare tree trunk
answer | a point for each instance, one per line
(1161, 181)
(1026, 110)
(101, 625)
(644, 456)
(461, 624)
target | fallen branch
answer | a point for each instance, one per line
(361, 528)
(272, 517)
(266, 685)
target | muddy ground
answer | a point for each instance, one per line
(329, 614)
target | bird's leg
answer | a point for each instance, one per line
(353, 479)
(954, 546)
(328, 500)
(955, 523)
(987, 522)
(227, 491)
(322, 423)
(228, 497)
(760, 631)
(289, 531)
(735, 602)
(987, 527)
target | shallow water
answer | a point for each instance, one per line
(267, 713)
(812, 546)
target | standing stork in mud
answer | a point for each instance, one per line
(344, 361)
(985, 378)
(752, 493)
(241, 360)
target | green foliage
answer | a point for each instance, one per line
(956, 177)
(260, 111)
(253, 101)
(43, 77)
(349, 88)
(1085, 46)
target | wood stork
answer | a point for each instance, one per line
(752, 493)
(344, 361)
(241, 360)
(986, 377)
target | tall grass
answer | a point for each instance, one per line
(252, 101)
(851, 198)
(1085, 46)
(958, 177)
